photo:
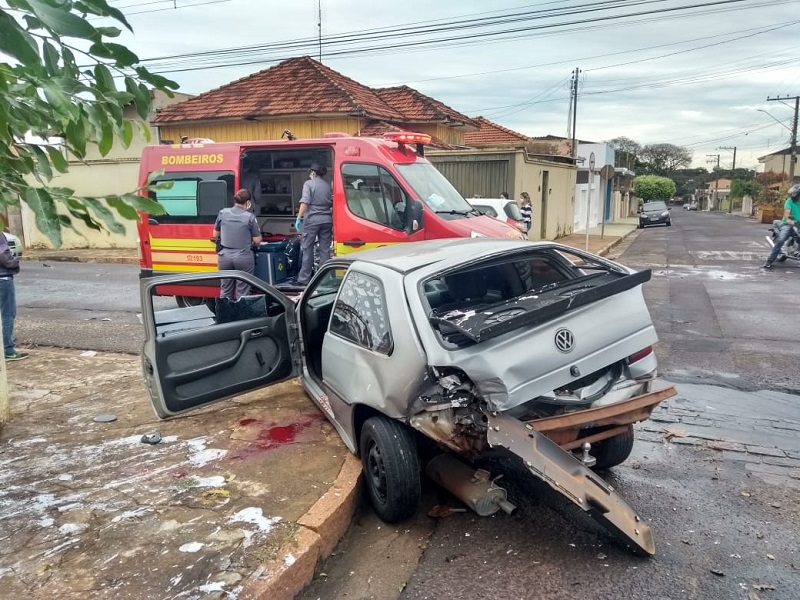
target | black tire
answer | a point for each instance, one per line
(669, 223)
(613, 451)
(187, 301)
(391, 468)
(783, 258)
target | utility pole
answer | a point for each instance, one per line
(793, 148)
(319, 27)
(716, 181)
(575, 74)
(733, 174)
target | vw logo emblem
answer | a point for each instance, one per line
(565, 341)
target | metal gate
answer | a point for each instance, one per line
(484, 178)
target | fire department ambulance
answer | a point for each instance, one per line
(384, 192)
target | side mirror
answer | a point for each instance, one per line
(639, 210)
(413, 216)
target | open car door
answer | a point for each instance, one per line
(194, 356)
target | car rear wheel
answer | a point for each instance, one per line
(614, 450)
(391, 468)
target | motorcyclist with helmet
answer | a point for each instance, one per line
(791, 216)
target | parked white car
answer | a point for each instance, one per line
(14, 243)
(502, 209)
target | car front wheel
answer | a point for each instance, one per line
(391, 468)
(614, 450)
(669, 223)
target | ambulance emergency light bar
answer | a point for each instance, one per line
(409, 137)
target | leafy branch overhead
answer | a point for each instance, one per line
(64, 78)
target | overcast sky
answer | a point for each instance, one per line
(701, 98)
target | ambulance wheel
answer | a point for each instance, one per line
(391, 468)
(187, 301)
(614, 450)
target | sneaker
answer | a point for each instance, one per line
(767, 265)
(16, 356)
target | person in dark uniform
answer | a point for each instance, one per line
(315, 221)
(236, 230)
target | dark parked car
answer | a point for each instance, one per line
(654, 213)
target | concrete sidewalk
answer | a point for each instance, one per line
(601, 240)
(239, 500)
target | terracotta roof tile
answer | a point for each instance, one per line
(298, 86)
(379, 128)
(417, 107)
(492, 134)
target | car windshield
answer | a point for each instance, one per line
(435, 190)
(653, 206)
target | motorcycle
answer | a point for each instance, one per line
(791, 249)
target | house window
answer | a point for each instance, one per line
(373, 194)
(360, 313)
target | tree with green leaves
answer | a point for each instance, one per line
(662, 159)
(64, 79)
(626, 152)
(653, 187)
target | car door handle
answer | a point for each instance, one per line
(354, 243)
(256, 333)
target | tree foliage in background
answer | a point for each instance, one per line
(741, 188)
(653, 187)
(60, 83)
(662, 159)
(626, 152)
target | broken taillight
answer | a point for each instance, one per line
(637, 356)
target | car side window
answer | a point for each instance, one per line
(360, 314)
(373, 194)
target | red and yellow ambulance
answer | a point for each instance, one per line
(376, 183)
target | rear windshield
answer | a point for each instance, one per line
(487, 210)
(475, 303)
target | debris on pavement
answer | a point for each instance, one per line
(108, 418)
(441, 510)
(762, 587)
(151, 438)
(717, 572)
(89, 353)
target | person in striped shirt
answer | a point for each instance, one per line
(526, 210)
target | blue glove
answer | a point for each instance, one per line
(298, 223)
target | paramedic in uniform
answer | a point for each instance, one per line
(314, 221)
(236, 230)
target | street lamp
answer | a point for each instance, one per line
(782, 124)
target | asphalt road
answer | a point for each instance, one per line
(724, 527)
(90, 306)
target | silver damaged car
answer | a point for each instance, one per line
(535, 350)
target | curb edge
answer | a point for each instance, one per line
(320, 529)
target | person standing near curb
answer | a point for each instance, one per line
(235, 231)
(314, 221)
(526, 211)
(9, 266)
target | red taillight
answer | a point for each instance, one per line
(637, 356)
(407, 137)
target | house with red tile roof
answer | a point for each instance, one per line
(498, 159)
(310, 99)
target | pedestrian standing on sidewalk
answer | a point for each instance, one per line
(526, 210)
(235, 231)
(9, 266)
(791, 216)
(314, 221)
